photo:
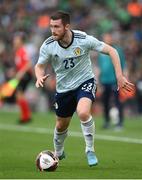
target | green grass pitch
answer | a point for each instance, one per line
(20, 144)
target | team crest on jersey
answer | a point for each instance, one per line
(77, 51)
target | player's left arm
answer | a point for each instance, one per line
(121, 80)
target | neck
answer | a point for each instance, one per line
(67, 39)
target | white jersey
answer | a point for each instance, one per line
(71, 64)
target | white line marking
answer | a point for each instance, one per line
(72, 133)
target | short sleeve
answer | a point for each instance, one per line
(43, 55)
(95, 44)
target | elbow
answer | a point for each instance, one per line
(109, 50)
(113, 51)
(35, 68)
(40, 67)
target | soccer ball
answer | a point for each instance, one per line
(47, 161)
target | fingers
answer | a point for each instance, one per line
(40, 82)
(46, 76)
(127, 87)
(130, 84)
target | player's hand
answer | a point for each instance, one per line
(125, 85)
(41, 80)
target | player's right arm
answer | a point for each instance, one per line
(40, 75)
(40, 67)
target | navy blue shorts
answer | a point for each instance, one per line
(66, 103)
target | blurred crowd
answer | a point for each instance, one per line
(122, 18)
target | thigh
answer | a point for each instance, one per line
(65, 104)
(84, 107)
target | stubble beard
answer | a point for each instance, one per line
(59, 38)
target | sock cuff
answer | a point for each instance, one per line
(87, 123)
(61, 133)
(84, 122)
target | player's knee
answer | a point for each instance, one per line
(60, 127)
(83, 115)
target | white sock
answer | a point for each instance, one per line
(59, 138)
(88, 129)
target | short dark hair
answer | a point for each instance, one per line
(64, 16)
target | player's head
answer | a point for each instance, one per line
(59, 24)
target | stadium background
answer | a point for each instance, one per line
(93, 16)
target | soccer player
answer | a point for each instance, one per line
(68, 52)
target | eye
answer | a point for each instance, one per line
(56, 26)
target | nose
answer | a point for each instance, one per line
(53, 30)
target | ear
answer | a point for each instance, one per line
(67, 26)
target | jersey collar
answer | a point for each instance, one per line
(65, 47)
